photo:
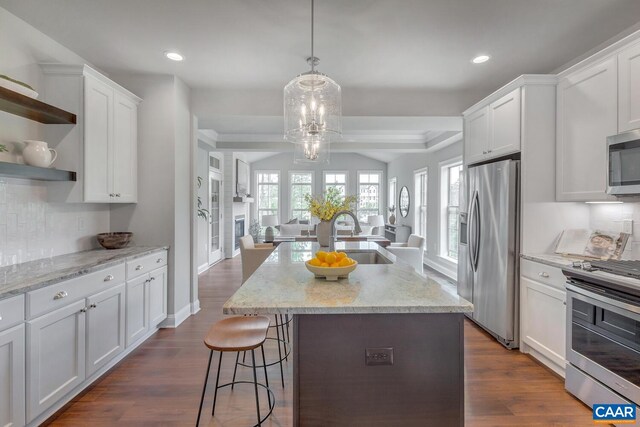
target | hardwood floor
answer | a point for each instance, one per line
(160, 383)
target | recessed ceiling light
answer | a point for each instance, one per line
(174, 56)
(480, 59)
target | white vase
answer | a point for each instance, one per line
(323, 232)
(38, 153)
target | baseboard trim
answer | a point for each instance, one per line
(174, 320)
(195, 307)
(204, 267)
(453, 275)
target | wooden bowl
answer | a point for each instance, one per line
(114, 240)
(331, 274)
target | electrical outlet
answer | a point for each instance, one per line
(378, 356)
(627, 226)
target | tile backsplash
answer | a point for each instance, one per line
(612, 217)
(32, 228)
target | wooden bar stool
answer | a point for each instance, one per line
(236, 334)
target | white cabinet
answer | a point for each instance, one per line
(146, 301)
(105, 327)
(629, 88)
(476, 139)
(12, 377)
(493, 130)
(55, 356)
(102, 148)
(586, 115)
(543, 314)
(504, 116)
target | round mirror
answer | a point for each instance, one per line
(403, 202)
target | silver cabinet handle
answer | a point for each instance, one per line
(109, 278)
(159, 260)
(484, 152)
(153, 278)
(117, 194)
(543, 274)
(60, 295)
(93, 306)
(83, 310)
(139, 267)
(111, 195)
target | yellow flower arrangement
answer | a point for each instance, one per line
(325, 207)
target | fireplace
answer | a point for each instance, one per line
(239, 230)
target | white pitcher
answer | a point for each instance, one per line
(38, 153)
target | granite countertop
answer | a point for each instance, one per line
(554, 260)
(21, 278)
(283, 285)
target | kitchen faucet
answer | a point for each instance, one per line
(334, 237)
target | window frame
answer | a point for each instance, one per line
(392, 182)
(291, 184)
(335, 172)
(279, 209)
(380, 190)
(445, 207)
(421, 228)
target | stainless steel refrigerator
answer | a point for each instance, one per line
(488, 251)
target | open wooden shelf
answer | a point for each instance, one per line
(14, 170)
(32, 109)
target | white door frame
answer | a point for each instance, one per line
(216, 256)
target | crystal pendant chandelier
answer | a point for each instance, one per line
(312, 111)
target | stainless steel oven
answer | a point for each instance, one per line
(603, 338)
(623, 171)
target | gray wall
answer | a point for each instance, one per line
(352, 163)
(403, 168)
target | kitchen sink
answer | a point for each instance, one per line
(370, 257)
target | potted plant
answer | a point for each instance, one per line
(325, 207)
(254, 230)
(202, 212)
(392, 214)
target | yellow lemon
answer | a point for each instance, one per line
(344, 262)
(351, 262)
(321, 255)
(315, 262)
(341, 255)
(330, 258)
(335, 264)
(324, 264)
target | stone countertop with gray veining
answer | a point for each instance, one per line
(21, 278)
(554, 260)
(283, 285)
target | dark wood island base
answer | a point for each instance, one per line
(343, 374)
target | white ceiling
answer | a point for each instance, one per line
(392, 57)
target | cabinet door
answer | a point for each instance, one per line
(105, 327)
(476, 138)
(98, 129)
(587, 114)
(157, 296)
(137, 309)
(55, 356)
(12, 377)
(504, 127)
(125, 149)
(629, 88)
(544, 326)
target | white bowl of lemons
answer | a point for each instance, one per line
(331, 265)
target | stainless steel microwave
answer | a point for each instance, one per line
(623, 171)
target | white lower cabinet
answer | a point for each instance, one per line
(55, 356)
(12, 377)
(543, 306)
(137, 309)
(105, 327)
(157, 296)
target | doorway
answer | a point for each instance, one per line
(216, 222)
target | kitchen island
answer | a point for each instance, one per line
(382, 347)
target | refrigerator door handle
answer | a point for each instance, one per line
(476, 252)
(474, 231)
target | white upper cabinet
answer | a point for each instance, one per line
(476, 139)
(629, 88)
(504, 117)
(493, 130)
(586, 116)
(103, 147)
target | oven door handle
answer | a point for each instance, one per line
(602, 298)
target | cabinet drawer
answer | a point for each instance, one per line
(543, 273)
(11, 312)
(139, 266)
(63, 293)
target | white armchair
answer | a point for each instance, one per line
(253, 255)
(410, 252)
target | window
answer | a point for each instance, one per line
(268, 193)
(337, 180)
(450, 200)
(393, 188)
(301, 184)
(368, 194)
(420, 210)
